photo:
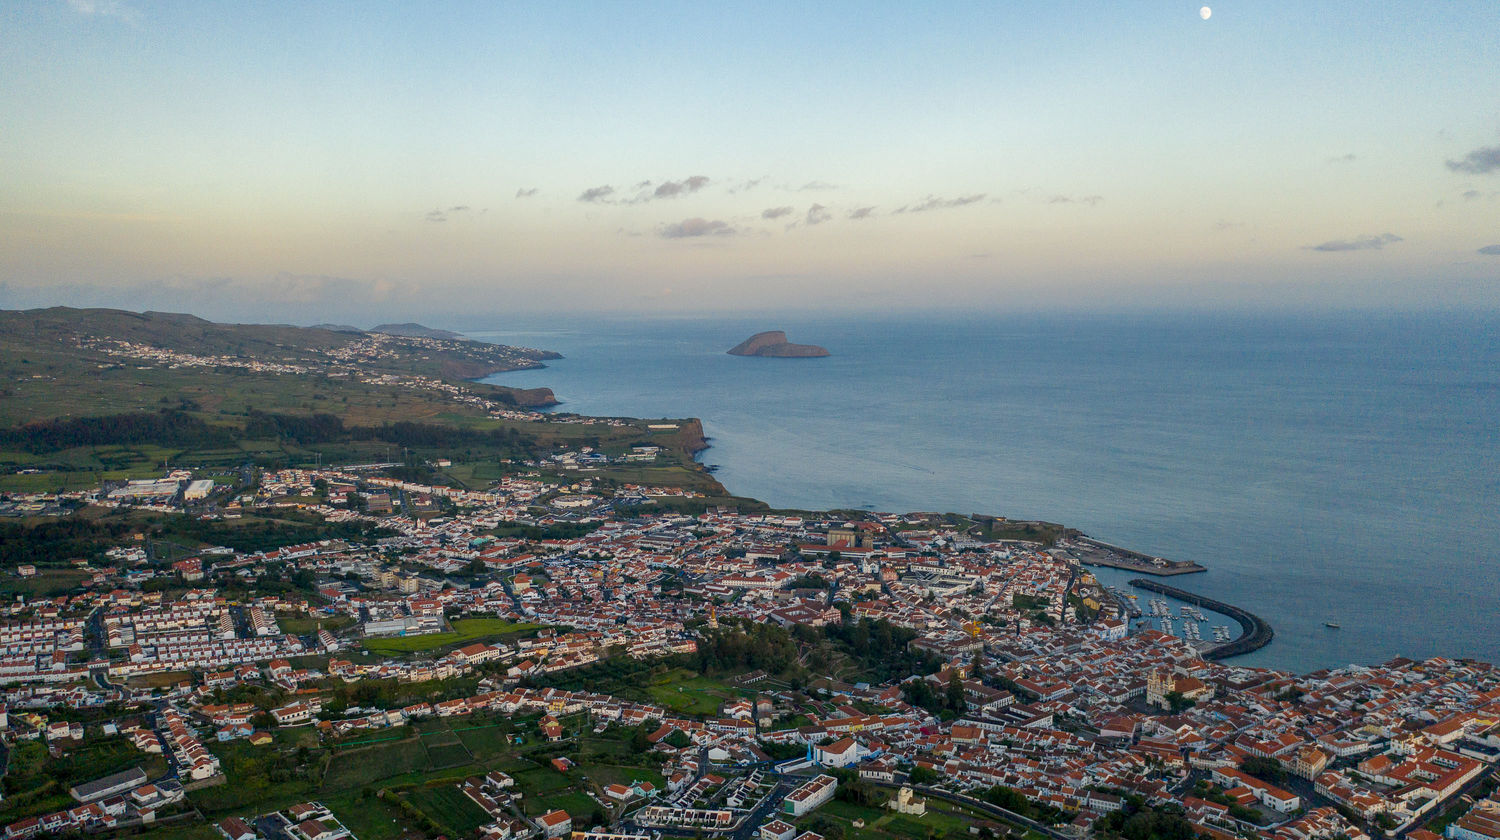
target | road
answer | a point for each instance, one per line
(772, 801)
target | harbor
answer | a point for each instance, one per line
(1255, 633)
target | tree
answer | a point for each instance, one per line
(920, 775)
(919, 693)
(827, 826)
(1177, 702)
(640, 739)
(955, 698)
(1139, 823)
(1267, 769)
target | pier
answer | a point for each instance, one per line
(1092, 552)
(1255, 633)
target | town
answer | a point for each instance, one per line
(547, 657)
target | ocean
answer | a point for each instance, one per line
(1339, 468)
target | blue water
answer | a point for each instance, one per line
(1325, 469)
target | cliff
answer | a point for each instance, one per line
(773, 344)
(533, 397)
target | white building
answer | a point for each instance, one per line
(807, 798)
(841, 753)
(908, 803)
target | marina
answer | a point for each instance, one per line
(1255, 632)
(1187, 623)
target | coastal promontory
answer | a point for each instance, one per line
(773, 344)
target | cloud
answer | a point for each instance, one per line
(642, 193)
(688, 228)
(1225, 224)
(1362, 243)
(817, 185)
(1490, 250)
(595, 195)
(441, 215)
(1349, 158)
(775, 212)
(687, 186)
(746, 185)
(1478, 162)
(818, 214)
(106, 8)
(1090, 200)
(525, 193)
(933, 202)
(1470, 195)
(862, 213)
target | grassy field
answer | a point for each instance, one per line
(312, 625)
(487, 742)
(45, 583)
(159, 679)
(250, 788)
(465, 630)
(578, 805)
(368, 818)
(111, 755)
(541, 781)
(683, 691)
(186, 830)
(361, 766)
(884, 824)
(603, 750)
(444, 750)
(446, 805)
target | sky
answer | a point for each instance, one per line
(365, 162)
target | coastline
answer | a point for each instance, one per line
(1255, 632)
(1175, 484)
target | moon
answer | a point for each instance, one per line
(1205, 13)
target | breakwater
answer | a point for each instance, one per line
(1092, 552)
(1255, 633)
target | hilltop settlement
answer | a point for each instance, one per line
(298, 622)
